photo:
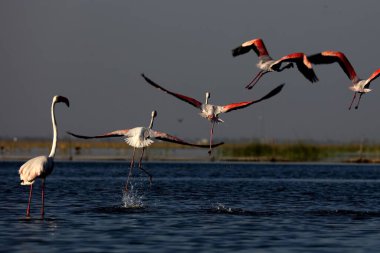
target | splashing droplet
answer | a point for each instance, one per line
(132, 198)
(222, 208)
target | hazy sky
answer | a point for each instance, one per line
(93, 52)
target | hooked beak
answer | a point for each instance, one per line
(62, 99)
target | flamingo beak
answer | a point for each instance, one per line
(63, 100)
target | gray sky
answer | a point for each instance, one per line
(93, 51)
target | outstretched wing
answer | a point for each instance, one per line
(170, 138)
(235, 106)
(256, 45)
(303, 65)
(189, 100)
(116, 133)
(373, 77)
(328, 57)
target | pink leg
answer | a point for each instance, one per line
(256, 79)
(349, 108)
(30, 200)
(360, 97)
(258, 74)
(130, 169)
(211, 134)
(43, 198)
(141, 168)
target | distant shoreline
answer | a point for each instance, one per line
(87, 150)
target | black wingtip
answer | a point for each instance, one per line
(240, 50)
(313, 79)
(217, 144)
(235, 52)
(274, 92)
(77, 135)
(148, 80)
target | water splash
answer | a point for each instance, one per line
(132, 198)
(219, 207)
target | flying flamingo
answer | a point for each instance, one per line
(41, 166)
(266, 64)
(360, 86)
(209, 111)
(142, 137)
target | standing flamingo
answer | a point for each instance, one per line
(41, 166)
(142, 137)
(209, 111)
(266, 64)
(360, 86)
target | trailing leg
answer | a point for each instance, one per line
(141, 168)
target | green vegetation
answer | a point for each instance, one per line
(251, 151)
(301, 152)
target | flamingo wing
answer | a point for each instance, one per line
(33, 168)
(256, 45)
(170, 138)
(189, 100)
(372, 77)
(303, 65)
(116, 133)
(328, 57)
(240, 105)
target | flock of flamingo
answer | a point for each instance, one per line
(142, 137)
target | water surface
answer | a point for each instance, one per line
(209, 207)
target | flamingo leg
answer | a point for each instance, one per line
(357, 105)
(130, 168)
(258, 74)
(211, 135)
(256, 79)
(353, 99)
(43, 198)
(30, 200)
(141, 168)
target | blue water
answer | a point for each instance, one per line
(195, 207)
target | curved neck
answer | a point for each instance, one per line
(55, 132)
(151, 122)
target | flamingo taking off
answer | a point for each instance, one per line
(358, 85)
(142, 137)
(209, 111)
(41, 166)
(266, 64)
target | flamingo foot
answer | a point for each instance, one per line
(253, 83)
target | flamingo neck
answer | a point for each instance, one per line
(55, 131)
(151, 122)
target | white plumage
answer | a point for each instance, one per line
(41, 166)
(139, 137)
(142, 137)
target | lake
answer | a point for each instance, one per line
(194, 207)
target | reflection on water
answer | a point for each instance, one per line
(211, 207)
